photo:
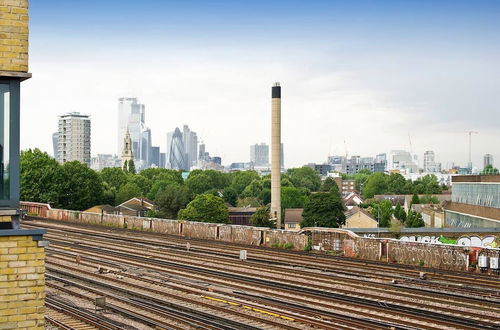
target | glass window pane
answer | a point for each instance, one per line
(4, 141)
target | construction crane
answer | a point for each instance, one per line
(470, 147)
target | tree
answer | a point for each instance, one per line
(323, 210)
(262, 218)
(415, 199)
(328, 185)
(125, 166)
(170, 200)
(396, 184)
(427, 184)
(241, 179)
(383, 212)
(115, 177)
(82, 187)
(375, 185)
(230, 195)
(253, 189)
(154, 173)
(206, 208)
(265, 196)
(400, 213)
(41, 178)
(414, 220)
(305, 177)
(198, 184)
(292, 198)
(142, 182)
(248, 202)
(489, 169)
(428, 199)
(127, 191)
(360, 178)
(131, 166)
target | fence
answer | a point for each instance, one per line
(338, 241)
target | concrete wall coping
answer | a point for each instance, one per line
(428, 230)
(36, 233)
(15, 74)
(9, 212)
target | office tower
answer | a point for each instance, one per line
(55, 144)
(176, 156)
(488, 160)
(162, 160)
(202, 153)
(430, 164)
(402, 160)
(145, 149)
(276, 149)
(259, 154)
(380, 163)
(131, 116)
(155, 157)
(190, 140)
(74, 138)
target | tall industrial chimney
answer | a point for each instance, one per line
(276, 155)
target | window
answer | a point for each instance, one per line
(4, 141)
(9, 142)
(292, 225)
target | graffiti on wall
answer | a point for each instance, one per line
(421, 239)
(488, 241)
(439, 256)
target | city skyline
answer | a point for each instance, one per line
(348, 74)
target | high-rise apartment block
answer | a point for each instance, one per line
(74, 138)
(488, 160)
(259, 154)
(430, 165)
(402, 160)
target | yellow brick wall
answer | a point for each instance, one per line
(22, 283)
(14, 35)
(5, 218)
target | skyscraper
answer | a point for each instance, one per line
(131, 116)
(488, 160)
(430, 164)
(190, 140)
(402, 160)
(259, 154)
(155, 156)
(176, 156)
(55, 144)
(145, 149)
(74, 138)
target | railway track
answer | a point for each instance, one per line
(67, 316)
(151, 252)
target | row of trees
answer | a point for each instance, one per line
(74, 186)
(204, 195)
(371, 184)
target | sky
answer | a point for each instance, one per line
(357, 77)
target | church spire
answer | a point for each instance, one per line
(127, 153)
